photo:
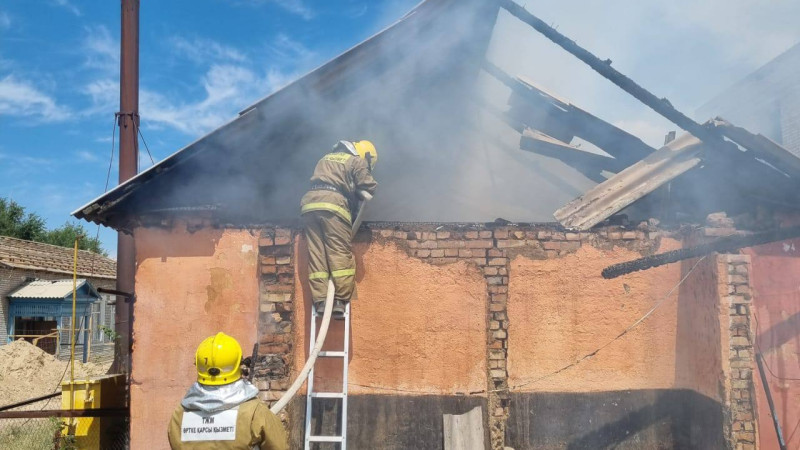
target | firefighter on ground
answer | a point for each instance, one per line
(328, 210)
(221, 411)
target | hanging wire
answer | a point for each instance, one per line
(108, 178)
(764, 360)
(139, 130)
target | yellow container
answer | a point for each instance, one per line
(106, 391)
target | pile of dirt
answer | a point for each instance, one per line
(26, 371)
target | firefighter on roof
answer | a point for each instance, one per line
(328, 210)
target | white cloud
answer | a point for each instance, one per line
(68, 6)
(228, 88)
(104, 95)
(101, 49)
(297, 7)
(288, 50)
(22, 99)
(201, 50)
(87, 156)
(5, 20)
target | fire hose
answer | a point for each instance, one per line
(326, 320)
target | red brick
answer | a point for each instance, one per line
(510, 244)
(494, 280)
(573, 237)
(471, 235)
(442, 261)
(437, 253)
(423, 253)
(283, 240)
(265, 242)
(497, 307)
(471, 253)
(451, 252)
(552, 245)
(267, 260)
(488, 271)
(269, 268)
(442, 235)
(486, 234)
(283, 260)
(518, 235)
(501, 234)
(483, 243)
(499, 298)
(498, 289)
(629, 235)
(428, 244)
(451, 244)
(428, 236)
(497, 261)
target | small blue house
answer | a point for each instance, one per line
(43, 307)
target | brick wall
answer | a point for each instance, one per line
(488, 249)
(276, 312)
(11, 279)
(737, 292)
(491, 251)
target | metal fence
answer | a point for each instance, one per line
(39, 426)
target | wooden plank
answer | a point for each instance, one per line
(762, 146)
(631, 184)
(465, 431)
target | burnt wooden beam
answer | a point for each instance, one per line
(728, 244)
(542, 144)
(557, 117)
(725, 153)
(633, 183)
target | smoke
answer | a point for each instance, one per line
(447, 153)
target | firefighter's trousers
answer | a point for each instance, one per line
(329, 255)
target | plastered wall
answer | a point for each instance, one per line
(416, 328)
(189, 286)
(562, 309)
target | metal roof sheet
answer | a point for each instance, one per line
(50, 289)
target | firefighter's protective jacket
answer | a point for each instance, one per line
(346, 174)
(227, 417)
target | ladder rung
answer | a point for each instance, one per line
(329, 354)
(325, 438)
(327, 395)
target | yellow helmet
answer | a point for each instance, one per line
(218, 360)
(364, 148)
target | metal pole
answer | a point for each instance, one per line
(765, 382)
(128, 167)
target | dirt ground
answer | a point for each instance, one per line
(27, 371)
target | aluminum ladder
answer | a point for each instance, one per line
(311, 396)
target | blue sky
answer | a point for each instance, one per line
(204, 60)
(201, 62)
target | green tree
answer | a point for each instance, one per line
(16, 222)
(66, 234)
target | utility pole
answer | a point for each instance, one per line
(128, 121)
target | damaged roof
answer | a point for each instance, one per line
(459, 139)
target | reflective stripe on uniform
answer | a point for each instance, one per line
(343, 273)
(318, 276)
(327, 207)
(340, 158)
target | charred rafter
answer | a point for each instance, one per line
(727, 244)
